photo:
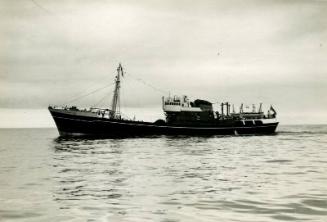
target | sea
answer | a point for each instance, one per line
(281, 177)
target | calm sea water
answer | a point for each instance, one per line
(233, 178)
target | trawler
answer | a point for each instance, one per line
(183, 117)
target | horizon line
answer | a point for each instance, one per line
(54, 127)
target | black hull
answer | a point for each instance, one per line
(78, 125)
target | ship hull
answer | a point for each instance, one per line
(72, 124)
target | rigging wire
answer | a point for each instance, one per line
(147, 84)
(102, 99)
(161, 91)
(91, 85)
(89, 93)
(122, 100)
(41, 7)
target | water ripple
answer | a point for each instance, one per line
(165, 178)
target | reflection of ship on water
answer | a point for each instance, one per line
(183, 117)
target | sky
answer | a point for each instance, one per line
(273, 52)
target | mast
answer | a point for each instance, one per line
(115, 106)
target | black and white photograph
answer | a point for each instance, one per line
(163, 110)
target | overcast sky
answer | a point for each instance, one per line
(273, 52)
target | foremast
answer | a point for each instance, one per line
(115, 106)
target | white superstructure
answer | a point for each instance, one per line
(177, 104)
